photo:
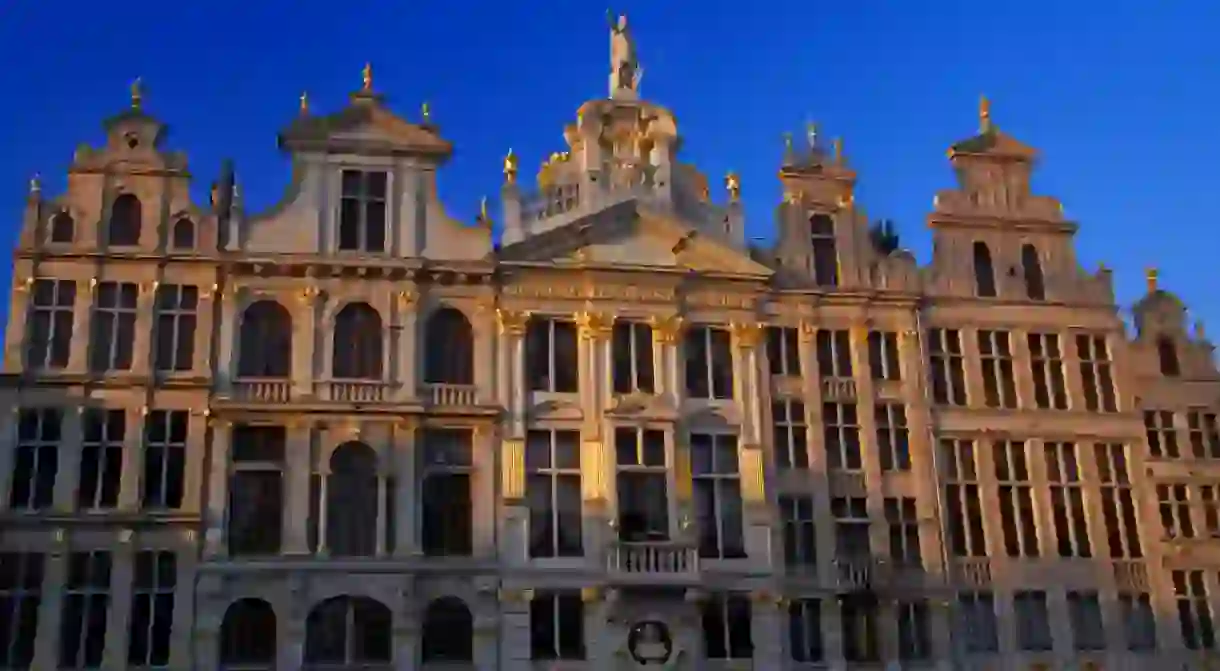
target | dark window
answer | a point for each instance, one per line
(1195, 618)
(358, 343)
(1067, 500)
(948, 367)
(1096, 373)
(256, 499)
(183, 236)
(825, 255)
(447, 528)
(800, 533)
(126, 215)
(266, 341)
(995, 360)
(165, 433)
(101, 461)
(726, 627)
(36, 461)
(1161, 434)
(1035, 285)
(152, 609)
(449, 348)
(248, 636)
(49, 335)
(63, 228)
(790, 434)
(21, 576)
(1167, 354)
(1139, 621)
(557, 628)
(1117, 501)
(114, 326)
(176, 318)
(550, 355)
(903, 522)
(1046, 365)
(834, 353)
(709, 363)
(858, 629)
(914, 630)
(552, 488)
(805, 641)
(841, 436)
(1084, 614)
(984, 272)
(852, 528)
(346, 630)
(86, 604)
(893, 437)
(642, 484)
(963, 503)
(717, 489)
(362, 211)
(448, 632)
(1015, 498)
(631, 349)
(352, 506)
(783, 351)
(883, 359)
(977, 623)
(1033, 621)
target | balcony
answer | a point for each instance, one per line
(859, 574)
(838, 389)
(262, 390)
(353, 391)
(653, 562)
(449, 395)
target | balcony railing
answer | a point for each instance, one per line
(353, 391)
(658, 561)
(858, 574)
(451, 394)
(262, 390)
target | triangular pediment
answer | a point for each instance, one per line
(628, 236)
(364, 125)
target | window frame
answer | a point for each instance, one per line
(365, 200)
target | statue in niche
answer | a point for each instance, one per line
(650, 643)
(625, 70)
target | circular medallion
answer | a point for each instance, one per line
(650, 643)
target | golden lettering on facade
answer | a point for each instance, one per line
(667, 329)
(512, 323)
(507, 595)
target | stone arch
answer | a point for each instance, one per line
(448, 347)
(248, 635)
(62, 227)
(183, 234)
(984, 271)
(1167, 356)
(358, 343)
(352, 506)
(265, 345)
(349, 630)
(126, 220)
(448, 631)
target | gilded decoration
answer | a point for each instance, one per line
(407, 299)
(667, 329)
(594, 325)
(512, 477)
(512, 323)
(748, 335)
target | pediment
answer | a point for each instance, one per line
(995, 143)
(365, 125)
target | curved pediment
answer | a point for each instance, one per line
(364, 127)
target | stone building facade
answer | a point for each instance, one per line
(351, 432)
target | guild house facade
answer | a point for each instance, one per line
(351, 432)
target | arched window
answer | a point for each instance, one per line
(63, 228)
(358, 343)
(126, 216)
(1168, 355)
(183, 236)
(449, 353)
(347, 630)
(247, 636)
(352, 510)
(448, 631)
(1035, 286)
(266, 341)
(984, 272)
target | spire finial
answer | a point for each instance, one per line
(838, 150)
(484, 217)
(367, 76)
(1151, 277)
(304, 103)
(35, 184)
(984, 115)
(510, 167)
(811, 133)
(732, 183)
(426, 111)
(137, 93)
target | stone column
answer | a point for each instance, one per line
(406, 541)
(46, 641)
(406, 632)
(819, 477)
(133, 448)
(483, 493)
(869, 459)
(599, 643)
(180, 650)
(515, 628)
(203, 626)
(215, 543)
(595, 331)
(322, 470)
(768, 629)
(16, 330)
(304, 339)
(1021, 368)
(975, 397)
(205, 316)
(407, 361)
(751, 461)
(486, 639)
(142, 351)
(297, 471)
(514, 546)
(8, 449)
(194, 477)
(667, 334)
(228, 333)
(485, 332)
(746, 380)
(69, 453)
(82, 318)
(512, 369)
(115, 655)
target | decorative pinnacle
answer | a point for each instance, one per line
(35, 184)
(1151, 277)
(367, 76)
(984, 115)
(811, 134)
(732, 183)
(426, 111)
(838, 150)
(304, 103)
(510, 167)
(137, 93)
(484, 217)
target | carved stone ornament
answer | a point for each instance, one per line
(512, 323)
(667, 329)
(748, 335)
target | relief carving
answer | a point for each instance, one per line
(667, 329)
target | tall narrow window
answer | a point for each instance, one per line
(858, 627)
(1167, 355)
(1016, 498)
(1194, 612)
(1117, 501)
(1067, 500)
(552, 488)
(834, 353)
(999, 384)
(183, 236)
(783, 351)
(358, 342)
(825, 255)
(557, 626)
(1096, 373)
(1139, 621)
(126, 220)
(800, 533)
(1031, 267)
(101, 461)
(1174, 507)
(362, 211)
(841, 435)
(150, 631)
(550, 355)
(1033, 621)
(265, 347)
(114, 326)
(948, 367)
(176, 317)
(642, 483)
(447, 522)
(1161, 434)
(805, 640)
(851, 528)
(449, 353)
(1204, 431)
(20, 600)
(36, 461)
(256, 490)
(248, 636)
(883, 361)
(903, 523)
(165, 433)
(1046, 365)
(964, 515)
(1084, 614)
(1211, 510)
(631, 349)
(353, 501)
(984, 272)
(893, 437)
(86, 604)
(709, 363)
(914, 630)
(63, 228)
(727, 627)
(790, 434)
(978, 622)
(717, 488)
(49, 331)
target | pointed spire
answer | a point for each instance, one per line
(366, 76)
(1151, 277)
(984, 115)
(137, 93)
(304, 103)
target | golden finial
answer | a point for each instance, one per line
(367, 75)
(1151, 277)
(838, 150)
(304, 103)
(137, 93)
(35, 184)
(811, 134)
(733, 184)
(510, 167)
(984, 114)
(483, 216)
(426, 111)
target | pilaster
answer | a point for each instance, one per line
(50, 609)
(667, 338)
(141, 359)
(512, 372)
(483, 493)
(67, 479)
(115, 656)
(515, 628)
(297, 475)
(972, 366)
(194, 475)
(406, 540)
(180, 650)
(305, 339)
(228, 334)
(746, 379)
(16, 331)
(1022, 368)
(205, 315)
(133, 447)
(407, 350)
(82, 319)
(818, 474)
(215, 543)
(485, 353)
(514, 547)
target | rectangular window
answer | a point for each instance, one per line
(101, 461)
(1174, 506)
(800, 533)
(48, 343)
(1084, 613)
(790, 434)
(551, 355)
(834, 353)
(903, 522)
(362, 211)
(631, 349)
(964, 508)
(851, 527)
(552, 489)
(893, 438)
(914, 630)
(256, 490)
(709, 363)
(1162, 436)
(999, 383)
(1016, 498)
(86, 604)
(1096, 373)
(152, 609)
(858, 627)
(727, 627)
(447, 520)
(1033, 621)
(1194, 612)
(947, 366)
(36, 459)
(883, 361)
(1117, 501)
(1211, 510)
(21, 576)
(1204, 434)
(165, 434)
(1067, 500)
(642, 480)
(176, 318)
(557, 626)
(1139, 621)
(1046, 364)
(825, 256)
(841, 435)
(805, 642)
(978, 623)
(113, 335)
(783, 351)
(717, 488)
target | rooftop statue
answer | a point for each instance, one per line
(625, 70)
